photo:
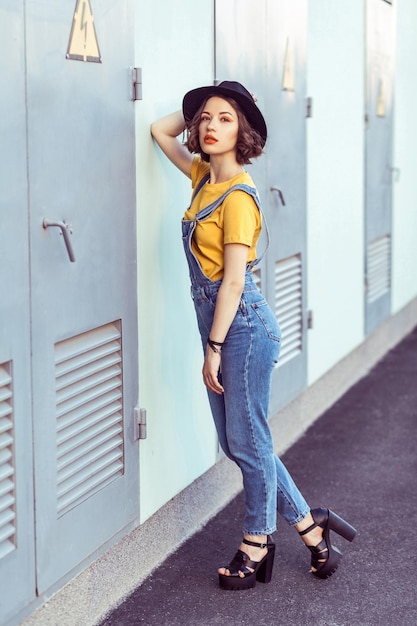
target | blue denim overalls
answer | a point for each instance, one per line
(249, 354)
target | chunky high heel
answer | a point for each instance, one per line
(253, 570)
(325, 557)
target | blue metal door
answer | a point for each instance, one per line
(68, 323)
(286, 35)
(380, 65)
(17, 552)
(263, 45)
(84, 342)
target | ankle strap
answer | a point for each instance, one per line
(307, 530)
(254, 544)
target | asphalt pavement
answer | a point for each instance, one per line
(359, 459)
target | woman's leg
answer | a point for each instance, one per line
(241, 416)
(219, 416)
(290, 502)
(241, 419)
(246, 380)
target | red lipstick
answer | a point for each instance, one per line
(210, 139)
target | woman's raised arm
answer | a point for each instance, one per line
(165, 132)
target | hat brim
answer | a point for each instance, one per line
(195, 98)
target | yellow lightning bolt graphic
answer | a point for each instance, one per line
(84, 25)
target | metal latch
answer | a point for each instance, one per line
(66, 231)
(279, 192)
(137, 83)
(309, 319)
(140, 416)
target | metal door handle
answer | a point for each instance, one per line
(280, 194)
(65, 230)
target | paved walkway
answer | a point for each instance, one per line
(359, 458)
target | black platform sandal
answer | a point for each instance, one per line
(253, 570)
(325, 557)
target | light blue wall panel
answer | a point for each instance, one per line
(335, 179)
(404, 227)
(174, 48)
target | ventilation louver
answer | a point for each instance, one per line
(89, 394)
(379, 268)
(7, 473)
(289, 307)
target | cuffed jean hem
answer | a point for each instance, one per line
(299, 518)
(269, 531)
(259, 533)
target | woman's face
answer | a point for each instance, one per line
(219, 126)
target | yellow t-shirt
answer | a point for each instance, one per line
(236, 220)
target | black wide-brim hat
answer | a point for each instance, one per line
(228, 89)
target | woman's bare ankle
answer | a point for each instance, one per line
(256, 538)
(314, 536)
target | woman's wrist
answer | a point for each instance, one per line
(216, 346)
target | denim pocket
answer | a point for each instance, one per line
(268, 319)
(199, 296)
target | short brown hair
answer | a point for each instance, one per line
(249, 142)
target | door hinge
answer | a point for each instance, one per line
(309, 107)
(140, 417)
(137, 83)
(309, 319)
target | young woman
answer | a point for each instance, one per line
(239, 332)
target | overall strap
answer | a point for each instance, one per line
(208, 210)
(200, 186)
